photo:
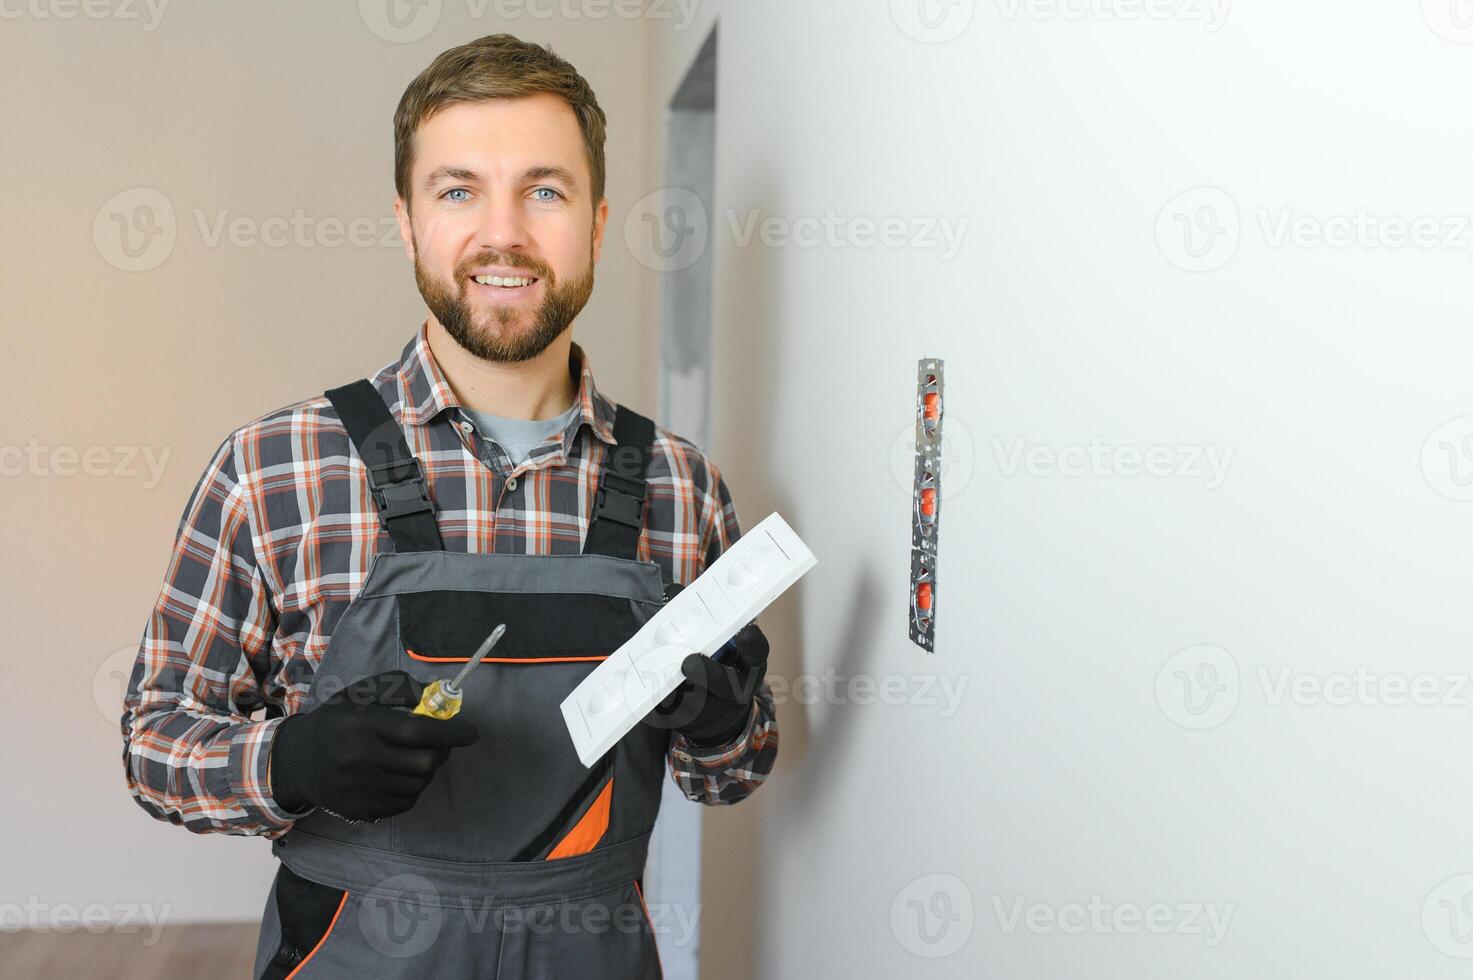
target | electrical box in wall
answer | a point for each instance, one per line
(925, 505)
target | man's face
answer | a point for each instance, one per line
(502, 188)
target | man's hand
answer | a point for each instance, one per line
(714, 702)
(358, 755)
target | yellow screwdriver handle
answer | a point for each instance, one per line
(442, 699)
(436, 702)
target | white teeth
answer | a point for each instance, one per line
(504, 280)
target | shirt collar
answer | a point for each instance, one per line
(425, 393)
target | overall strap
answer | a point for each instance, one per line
(618, 510)
(394, 475)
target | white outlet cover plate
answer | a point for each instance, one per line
(624, 688)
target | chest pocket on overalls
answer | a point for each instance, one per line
(519, 793)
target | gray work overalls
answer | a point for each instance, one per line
(516, 861)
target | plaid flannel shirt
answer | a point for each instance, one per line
(262, 569)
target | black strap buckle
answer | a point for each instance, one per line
(401, 497)
(619, 507)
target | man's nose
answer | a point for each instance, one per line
(503, 222)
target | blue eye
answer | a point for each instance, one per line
(550, 191)
(456, 190)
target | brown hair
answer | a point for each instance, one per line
(497, 66)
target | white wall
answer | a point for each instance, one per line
(1322, 830)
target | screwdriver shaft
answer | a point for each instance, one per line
(480, 655)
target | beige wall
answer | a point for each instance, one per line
(257, 111)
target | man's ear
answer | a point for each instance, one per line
(406, 230)
(600, 216)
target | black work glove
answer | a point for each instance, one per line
(357, 755)
(714, 703)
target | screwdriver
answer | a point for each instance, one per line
(442, 699)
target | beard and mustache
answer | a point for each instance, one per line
(491, 338)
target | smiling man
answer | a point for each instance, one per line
(499, 303)
(340, 553)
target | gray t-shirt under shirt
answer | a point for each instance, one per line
(518, 437)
